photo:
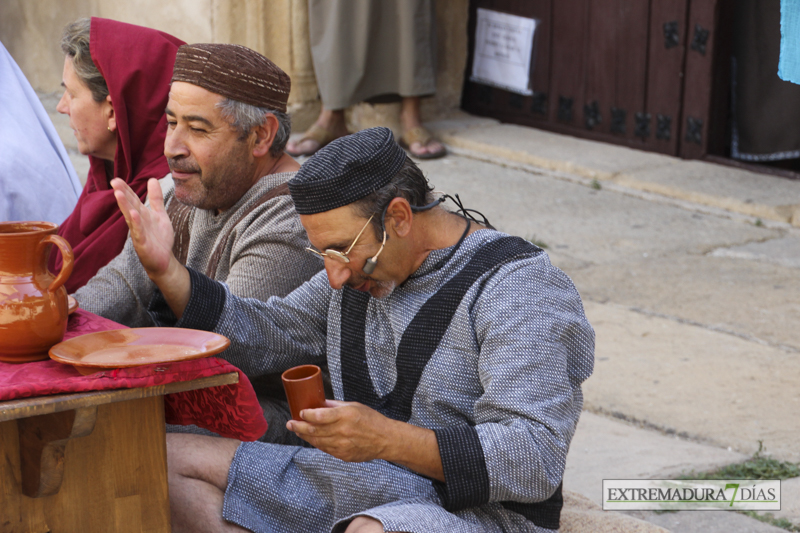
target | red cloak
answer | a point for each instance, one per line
(137, 64)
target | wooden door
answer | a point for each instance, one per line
(659, 126)
(707, 67)
(507, 106)
(609, 70)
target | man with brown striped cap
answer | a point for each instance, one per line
(233, 217)
(227, 123)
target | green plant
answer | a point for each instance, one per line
(596, 185)
(758, 223)
(537, 242)
(757, 467)
(769, 519)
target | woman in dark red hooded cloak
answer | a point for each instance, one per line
(116, 80)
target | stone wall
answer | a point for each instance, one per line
(31, 31)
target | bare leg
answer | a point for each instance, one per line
(364, 524)
(329, 120)
(198, 476)
(409, 119)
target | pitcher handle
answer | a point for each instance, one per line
(67, 257)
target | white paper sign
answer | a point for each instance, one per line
(503, 46)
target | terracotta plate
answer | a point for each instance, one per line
(72, 305)
(123, 348)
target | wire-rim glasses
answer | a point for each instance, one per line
(336, 255)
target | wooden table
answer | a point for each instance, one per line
(88, 462)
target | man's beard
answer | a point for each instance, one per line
(382, 289)
(378, 289)
(218, 188)
(194, 192)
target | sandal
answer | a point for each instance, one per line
(423, 136)
(318, 134)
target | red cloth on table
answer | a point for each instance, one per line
(230, 410)
(136, 63)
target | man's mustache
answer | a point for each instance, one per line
(180, 165)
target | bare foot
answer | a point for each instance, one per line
(303, 146)
(431, 148)
(416, 138)
(420, 144)
(329, 126)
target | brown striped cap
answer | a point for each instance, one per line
(235, 72)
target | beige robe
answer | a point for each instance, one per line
(368, 48)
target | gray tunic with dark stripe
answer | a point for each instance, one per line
(500, 387)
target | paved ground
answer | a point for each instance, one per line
(688, 272)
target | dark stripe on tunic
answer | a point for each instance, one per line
(421, 337)
(206, 303)
(467, 479)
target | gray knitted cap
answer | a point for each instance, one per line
(346, 170)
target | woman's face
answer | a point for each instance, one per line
(93, 122)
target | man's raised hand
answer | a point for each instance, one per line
(152, 236)
(151, 229)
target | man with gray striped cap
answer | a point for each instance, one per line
(456, 356)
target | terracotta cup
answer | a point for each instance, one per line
(33, 302)
(304, 389)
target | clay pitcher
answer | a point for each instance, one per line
(33, 302)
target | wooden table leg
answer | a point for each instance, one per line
(114, 479)
(42, 440)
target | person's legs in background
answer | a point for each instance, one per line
(416, 139)
(330, 125)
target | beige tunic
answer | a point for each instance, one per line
(368, 48)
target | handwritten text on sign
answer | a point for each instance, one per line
(503, 49)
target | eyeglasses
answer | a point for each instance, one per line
(336, 255)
